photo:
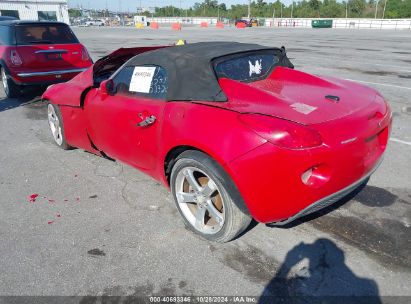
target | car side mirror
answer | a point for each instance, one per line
(107, 87)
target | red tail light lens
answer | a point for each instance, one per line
(15, 58)
(84, 54)
(282, 132)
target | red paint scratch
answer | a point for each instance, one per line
(32, 198)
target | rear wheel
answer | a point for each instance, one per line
(11, 89)
(204, 193)
(56, 126)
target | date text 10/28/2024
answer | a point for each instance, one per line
(203, 299)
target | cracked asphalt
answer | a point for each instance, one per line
(99, 227)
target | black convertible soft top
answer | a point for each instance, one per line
(189, 67)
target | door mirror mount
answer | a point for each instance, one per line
(107, 87)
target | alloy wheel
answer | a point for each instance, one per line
(4, 80)
(54, 123)
(200, 200)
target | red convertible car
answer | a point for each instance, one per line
(232, 129)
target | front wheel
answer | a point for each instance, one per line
(56, 126)
(204, 193)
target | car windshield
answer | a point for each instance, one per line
(44, 34)
(247, 67)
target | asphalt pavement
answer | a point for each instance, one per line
(102, 228)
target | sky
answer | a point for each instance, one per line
(131, 5)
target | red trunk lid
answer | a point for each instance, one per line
(297, 96)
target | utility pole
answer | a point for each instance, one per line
(376, 9)
(292, 9)
(346, 9)
(281, 10)
(249, 9)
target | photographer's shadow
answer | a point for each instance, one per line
(326, 278)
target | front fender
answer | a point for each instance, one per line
(70, 93)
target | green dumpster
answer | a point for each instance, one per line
(323, 23)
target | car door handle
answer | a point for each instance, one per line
(149, 120)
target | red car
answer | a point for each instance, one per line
(38, 53)
(231, 128)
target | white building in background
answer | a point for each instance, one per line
(52, 10)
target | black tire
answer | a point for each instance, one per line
(61, 141)
(11, 89)
(236, 218)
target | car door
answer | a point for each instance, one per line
(126, 125)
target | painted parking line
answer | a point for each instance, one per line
(396, 68)
(380, 84)
(401, 141)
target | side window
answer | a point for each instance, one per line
(144, 81)
(4, 35)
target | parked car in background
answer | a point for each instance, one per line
(245, 22)
(232, 129)
(39, 53)
(95, 22)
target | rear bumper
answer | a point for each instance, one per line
(50, 73)
(24, 78)
(329, 200)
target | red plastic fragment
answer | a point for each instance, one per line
(32, 198)
(50, 222)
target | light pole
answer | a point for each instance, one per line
(292, 9)
(249, 9)
(383, 12)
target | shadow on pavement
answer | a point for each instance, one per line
(29, 95)
(317, 273)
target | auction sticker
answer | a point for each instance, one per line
(141, 79)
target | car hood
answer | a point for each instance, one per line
(297, 96)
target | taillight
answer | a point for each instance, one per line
(282, 132)
(84, 54)
(15, 58)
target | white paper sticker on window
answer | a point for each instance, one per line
(141, 79)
